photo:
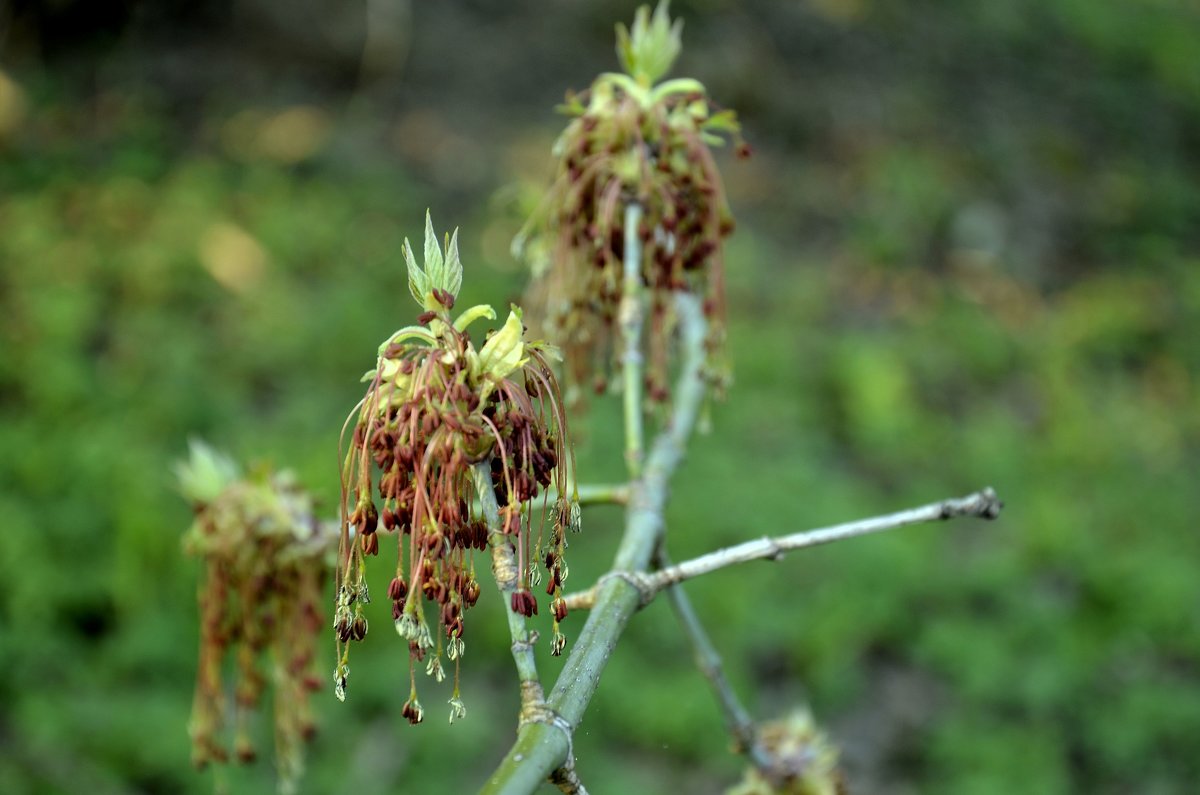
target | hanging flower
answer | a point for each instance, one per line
(437, 406)
(803, 761)
(265, 559)
(633, 140)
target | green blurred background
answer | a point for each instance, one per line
(968, 253)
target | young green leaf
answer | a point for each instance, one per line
(505, 350)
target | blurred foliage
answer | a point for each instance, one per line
(968, 254)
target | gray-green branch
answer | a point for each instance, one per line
(541, 748)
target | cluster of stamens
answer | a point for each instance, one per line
(439, 419)
(265, 563)
(631, 142)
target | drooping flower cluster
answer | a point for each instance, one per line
(436, 411)
(633, 141)
(266, 559)
(804, 761)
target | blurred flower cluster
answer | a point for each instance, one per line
(266, 559)
(633, 140)
(804, 761)
(435, 410)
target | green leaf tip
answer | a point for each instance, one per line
(648, 51)
(442, 267)
(504, 351)
(205, 473)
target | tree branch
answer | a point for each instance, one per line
(600, 494)
(541, 747)
(708, 661)
(983, 504)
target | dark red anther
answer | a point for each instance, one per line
(525, 603)
(245, 753)
(471, 593)
(455, 628)
(412, 713)
(358, 629)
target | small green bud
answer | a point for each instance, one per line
(205, 474)
(412, 710)
(442, 271)
(504, 351)
(650, 49)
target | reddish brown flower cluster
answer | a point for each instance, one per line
(265, 559)
(436, 410)
(631, 143)
(802, 761)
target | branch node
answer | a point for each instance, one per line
(527, 643)
(645, 587)
(777, 552)
(567, 780)
(533, 701)
(535, 710)
(992, 505)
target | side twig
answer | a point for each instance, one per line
(983, 504)
(600, 494)
(737, 720)
(504, 570)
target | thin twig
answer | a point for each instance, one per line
(581, 600)
(504, 569)
(589, 494)
(708, 661)
(600, 494)
(983, 504)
